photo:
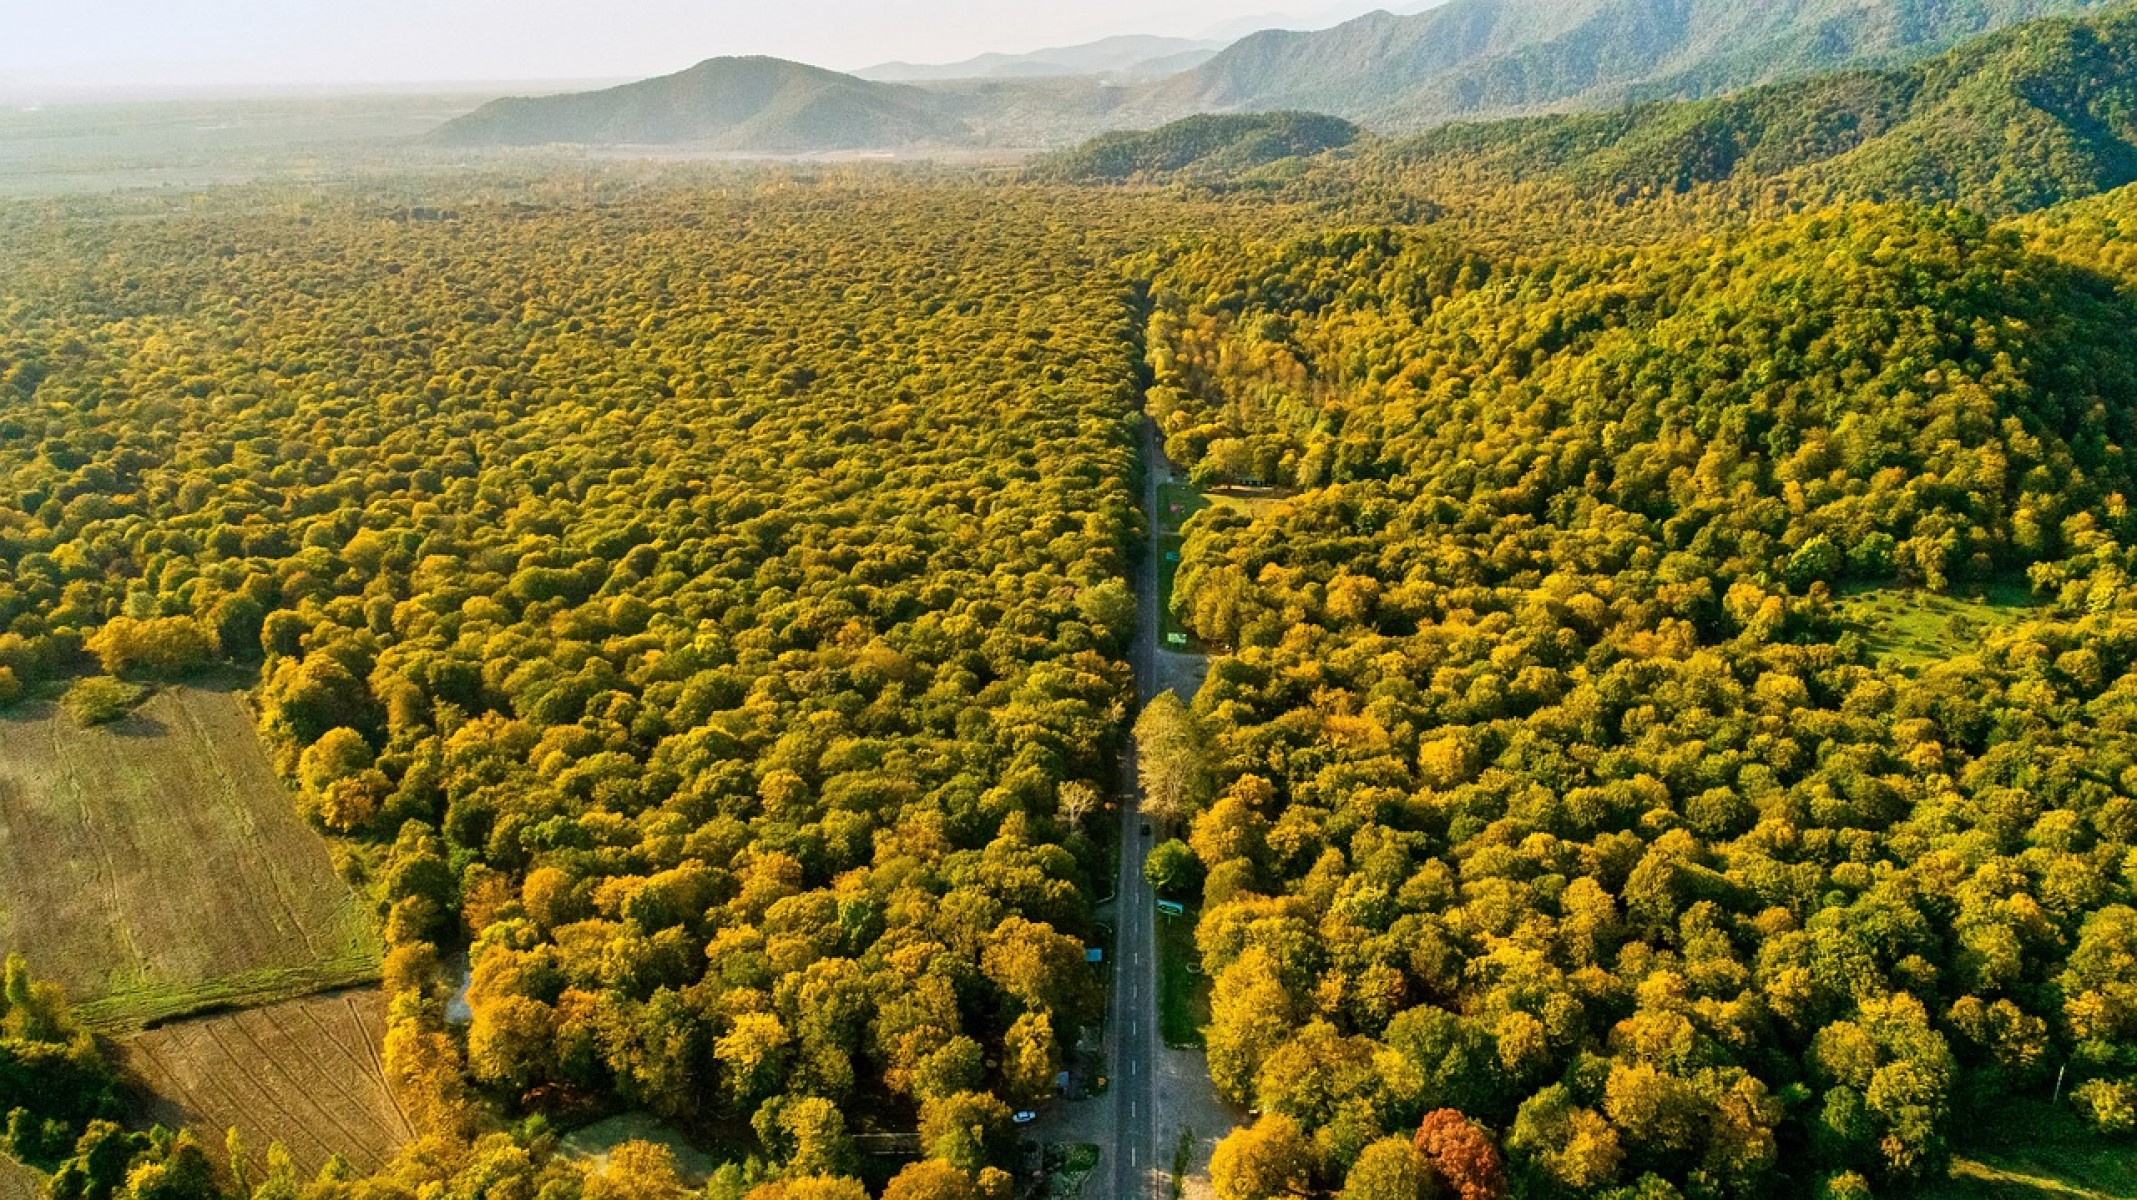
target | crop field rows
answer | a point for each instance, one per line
(306, 1073)
(156, 867)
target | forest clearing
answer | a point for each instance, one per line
(593, 1144)
(156, 867)
(1916, 629)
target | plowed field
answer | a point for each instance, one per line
(304, 1073)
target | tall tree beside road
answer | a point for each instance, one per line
(1171, 759)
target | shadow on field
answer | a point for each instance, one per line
(138, 725)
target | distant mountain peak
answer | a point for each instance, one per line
(1390, 72)
(748, 104)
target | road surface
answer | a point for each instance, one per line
(1158, 1093)
(1135, 982)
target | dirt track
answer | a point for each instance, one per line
(18, 1182)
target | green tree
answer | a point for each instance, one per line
(1031, 1058)
(100, 700)
(1389, 1169)
(154, 648)
(1570, 1146)
(1040, 969)
(817, 1130)
(931, 1179)
(1172, 869)
(1249, 1018)
(1171, 760)
(968, 1130)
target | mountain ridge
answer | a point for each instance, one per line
(1127, 56)
(1461, 61)
(1474, 59)
(2007, 122)
(1202, 146)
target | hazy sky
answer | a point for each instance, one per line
(104, 43)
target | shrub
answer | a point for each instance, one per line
(100, 700)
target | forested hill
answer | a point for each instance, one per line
(1480, 58)
(1561, 814)
(756, 105)
(1468, 59)
(2009, 122)
(1202, 147)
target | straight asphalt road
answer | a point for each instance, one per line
(1134, 1019)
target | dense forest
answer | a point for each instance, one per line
(1547, 781)
(703, 598)
(711, 603)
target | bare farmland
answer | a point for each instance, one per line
(18, 1182)
(305, 1073)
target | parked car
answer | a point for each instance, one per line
(1025, 1117)
(1146, 829)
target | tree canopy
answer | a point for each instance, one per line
(703, 596)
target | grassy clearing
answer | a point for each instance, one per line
(1183, 994)
(154, 1007)
(306, 1074)
(1176, 503)
(2033, 1151)
(1068, 1166)
(156, 867)
(593, 1144)
(1254, 502)
(1915, 629)
(1172, 635)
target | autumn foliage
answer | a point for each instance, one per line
(1461, 1156)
